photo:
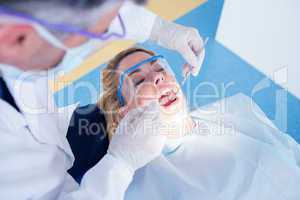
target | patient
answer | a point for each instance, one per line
(196, 162)
(153, 81)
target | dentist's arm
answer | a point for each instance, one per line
(130, 149)
(109, 179)
(142, 25)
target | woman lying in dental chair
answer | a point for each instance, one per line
(165, 152)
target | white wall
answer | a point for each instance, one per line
(266, 33)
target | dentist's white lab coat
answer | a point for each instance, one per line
(35, 154)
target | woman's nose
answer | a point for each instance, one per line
(158, 78)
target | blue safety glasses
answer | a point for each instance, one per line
(122, 76)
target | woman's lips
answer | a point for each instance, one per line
(168, 98)
(170, 102)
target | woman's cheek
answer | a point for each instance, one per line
(145, 94)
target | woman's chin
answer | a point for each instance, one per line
(172, 107)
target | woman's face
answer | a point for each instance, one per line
(151, 82)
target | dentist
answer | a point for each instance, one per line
(38, 38)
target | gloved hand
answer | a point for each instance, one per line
(185, 40)
(137, 140)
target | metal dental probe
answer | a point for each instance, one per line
(188, 73)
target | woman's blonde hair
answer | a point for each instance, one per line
(109, 102)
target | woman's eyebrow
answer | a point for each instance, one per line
(138, 70)
(134, 71)
(153, 62)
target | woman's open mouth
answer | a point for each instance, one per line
(168, 98)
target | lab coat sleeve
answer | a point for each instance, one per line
(109, 179)
(138, 22)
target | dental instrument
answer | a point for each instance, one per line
(186, 75)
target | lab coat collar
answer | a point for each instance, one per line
(47, 123)
(15, 119)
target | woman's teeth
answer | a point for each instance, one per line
(172, 96)
(168, 98)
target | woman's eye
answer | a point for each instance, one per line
(136, 83)
(160, 69)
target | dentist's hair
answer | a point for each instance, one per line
(33, 6)
(81, 13)
(109, 102)
(21, 4)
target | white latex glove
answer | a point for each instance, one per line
(137, 140)
(187, 41)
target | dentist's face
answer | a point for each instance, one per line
(151, 82)
(23, 47)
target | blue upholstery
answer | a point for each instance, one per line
(87, 138)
